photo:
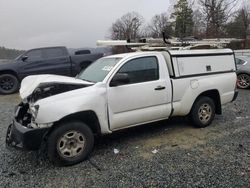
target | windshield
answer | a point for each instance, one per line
(18, 57)
(97, 71)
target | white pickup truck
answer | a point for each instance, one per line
(118, 92)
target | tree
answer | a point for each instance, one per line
(160, 23)
(217, 13)
(239, 27)
(183, 19)
(199, 25)
(127, 27)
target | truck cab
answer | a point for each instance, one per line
(44, 61)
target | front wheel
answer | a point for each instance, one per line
(70, 143)
(203, 112)
(8, 84)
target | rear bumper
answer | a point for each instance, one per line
(25, 138)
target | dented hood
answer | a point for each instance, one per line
(30, 83)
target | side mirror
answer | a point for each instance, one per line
(119, 79)
(24, 58)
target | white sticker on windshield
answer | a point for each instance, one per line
(107, 68)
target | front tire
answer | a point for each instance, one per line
(203, 112)
(8, 84)
(70, 143)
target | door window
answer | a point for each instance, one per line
(82, 52)
(34, 55)
(54, 53)
(141, 69)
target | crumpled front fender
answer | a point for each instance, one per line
(55, 108)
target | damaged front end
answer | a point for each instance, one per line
(45, 90)
(24, 132)
(21, 133)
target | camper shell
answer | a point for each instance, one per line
(181, 63)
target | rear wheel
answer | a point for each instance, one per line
(8, 84)
(243, 81)
(70, 143)
(203, 112)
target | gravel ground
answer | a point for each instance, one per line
(217, 156)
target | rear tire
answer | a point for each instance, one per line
(70, 143)
(203, 112)
(8, 84)
(243, 81)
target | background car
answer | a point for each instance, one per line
(50, 60)
(243, 71)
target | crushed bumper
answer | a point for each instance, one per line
(25, 138)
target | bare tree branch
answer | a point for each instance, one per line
(160, 23)
(127, 27)
(217, 13)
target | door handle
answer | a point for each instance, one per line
(160, 88)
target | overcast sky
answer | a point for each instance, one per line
(28, 24)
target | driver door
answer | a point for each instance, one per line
(146, 98)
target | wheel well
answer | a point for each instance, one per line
(87, 117)
(215, 96)
(10, 72)
(243, 73)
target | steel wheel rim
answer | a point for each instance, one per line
(243, 81)
(7, 83)
(71, 144)
(205, 113)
